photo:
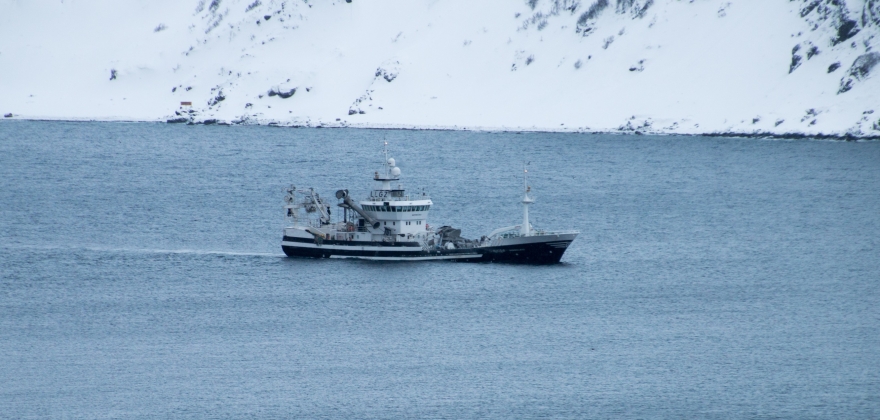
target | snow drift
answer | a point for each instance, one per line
(670, 66)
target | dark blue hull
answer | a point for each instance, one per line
(534, 253)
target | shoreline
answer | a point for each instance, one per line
(514, 130)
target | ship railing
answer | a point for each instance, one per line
(535, 232)
(542, 232)
(402, 198)
(499, 238)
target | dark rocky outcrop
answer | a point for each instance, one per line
(584, 22)
(871, 13)
(848, 28)
(253, 6)
(795, 59)
(389, 71)
(282, 93)
(640, 66)
(217, 99)
(859, 70)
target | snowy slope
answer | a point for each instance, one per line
(676, 66)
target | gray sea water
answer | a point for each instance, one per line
(141, 275)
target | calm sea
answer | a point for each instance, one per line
(141, 275)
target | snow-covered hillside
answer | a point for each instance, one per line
(675, 66)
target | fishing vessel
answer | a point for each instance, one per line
(391, 224)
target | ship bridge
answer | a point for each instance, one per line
(395, 209)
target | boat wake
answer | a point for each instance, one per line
(184, 251)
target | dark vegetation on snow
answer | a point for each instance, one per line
(833, 67)
(113, 74)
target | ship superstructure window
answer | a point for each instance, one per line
(396, 209)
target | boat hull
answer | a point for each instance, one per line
(528, 250)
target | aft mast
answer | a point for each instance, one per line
(526, 201)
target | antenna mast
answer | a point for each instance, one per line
(525, 229)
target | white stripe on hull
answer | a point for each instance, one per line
(426, 258)
(353, 247)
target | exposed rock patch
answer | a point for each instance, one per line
(586, 22)
(355, 107)
(640, 66)
(217, 99)
(388, 71)
(283, 94)
(860, 70)
(795, 59)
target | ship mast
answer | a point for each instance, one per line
(526, 201)
(392, 172)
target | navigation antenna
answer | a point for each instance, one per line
(385, 152)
